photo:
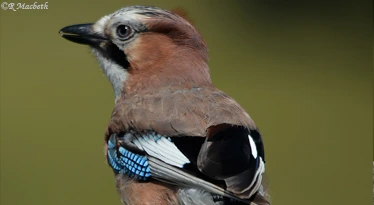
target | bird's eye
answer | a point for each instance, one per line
(124, 32)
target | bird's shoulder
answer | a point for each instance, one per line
(178, 112)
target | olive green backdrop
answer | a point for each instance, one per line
(302, 71)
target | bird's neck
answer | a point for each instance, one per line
(160, 68)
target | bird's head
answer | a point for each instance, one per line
(141, 49)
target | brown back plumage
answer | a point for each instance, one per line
(178, 112)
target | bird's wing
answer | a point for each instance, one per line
(231, 153)
(151, 155)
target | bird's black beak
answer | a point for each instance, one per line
(82, 34)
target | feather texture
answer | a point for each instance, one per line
(161, 148)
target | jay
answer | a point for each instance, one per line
(173, 138)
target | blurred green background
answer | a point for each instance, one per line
(302, 70)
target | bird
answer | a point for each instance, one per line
(173, 137)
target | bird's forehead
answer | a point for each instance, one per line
(143, 11)
(133, 14)
(125, 16)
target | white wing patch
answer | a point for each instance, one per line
(253, 146)
(161, 148)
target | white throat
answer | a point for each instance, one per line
(116, 74)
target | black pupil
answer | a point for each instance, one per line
(123, 31)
